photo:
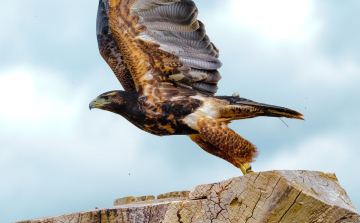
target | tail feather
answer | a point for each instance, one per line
(242, 108)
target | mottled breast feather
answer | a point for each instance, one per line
(164, 46)
(109, 49)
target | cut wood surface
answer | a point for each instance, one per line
(273, 196)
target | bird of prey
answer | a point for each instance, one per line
(167, 66)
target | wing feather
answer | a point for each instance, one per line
(163, 43)
(109, 49)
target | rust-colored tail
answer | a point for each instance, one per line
(241, 108)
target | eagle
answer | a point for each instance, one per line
(168, 68)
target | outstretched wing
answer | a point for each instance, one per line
(163, 43)
(109, 49)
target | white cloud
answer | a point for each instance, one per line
(17, 102)
(43, 108)
(328, 72)
(38, 98)
(278, 19)
(321, 153)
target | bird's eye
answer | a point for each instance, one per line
(106, 97)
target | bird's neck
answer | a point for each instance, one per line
(131, 110)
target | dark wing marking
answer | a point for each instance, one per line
(162, 41)
(109, 49)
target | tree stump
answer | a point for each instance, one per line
(273, 196)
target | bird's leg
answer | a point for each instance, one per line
(245, 168)
(219, 140)
(210, 148)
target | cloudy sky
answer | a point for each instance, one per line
(58, 157)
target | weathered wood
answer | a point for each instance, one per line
(131, 199)
(274, 196)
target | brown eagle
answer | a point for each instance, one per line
(167, 66)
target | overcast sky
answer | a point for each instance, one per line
(57, 157)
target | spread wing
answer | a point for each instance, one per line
(109, 49)
(163, 45)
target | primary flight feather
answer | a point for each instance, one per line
(167, 66)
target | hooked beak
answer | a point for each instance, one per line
(97, 103)
(92, 104)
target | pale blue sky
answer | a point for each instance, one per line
(58, 157)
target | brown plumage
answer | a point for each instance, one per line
(167, 66)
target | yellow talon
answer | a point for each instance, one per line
(245, 168)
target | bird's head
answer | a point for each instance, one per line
(113, 101)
